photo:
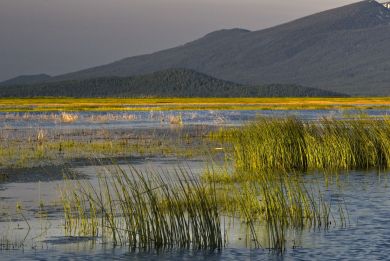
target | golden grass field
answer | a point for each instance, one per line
(129, 104)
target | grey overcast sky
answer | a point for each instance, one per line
(59, 36)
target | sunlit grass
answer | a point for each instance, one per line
(147, 104)
(131, 209)
(292, 144)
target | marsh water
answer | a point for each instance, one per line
(366, 236)
(157, 119)
(365, 194)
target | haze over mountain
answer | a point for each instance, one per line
(167, 83)
(344, 49)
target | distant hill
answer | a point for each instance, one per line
(346, 50)
(26, 79)
(167, 83)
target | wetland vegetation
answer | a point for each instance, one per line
(261, 183)
(289, 144)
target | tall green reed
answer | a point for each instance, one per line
(145, 211)
(292, 144)
(159, 210)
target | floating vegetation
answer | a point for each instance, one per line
(292, 144)
(31, 147)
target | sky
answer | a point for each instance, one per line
(60, 36)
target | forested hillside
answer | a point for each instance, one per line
(168, 83)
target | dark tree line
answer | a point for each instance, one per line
(168, 83)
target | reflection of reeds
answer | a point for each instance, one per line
(3, 176)
(292, 144)
(8, 244)
(280, 201)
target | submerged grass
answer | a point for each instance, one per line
(44, 146)
(292, 144)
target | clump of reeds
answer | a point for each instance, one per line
(280, 201)
(140, 212)
(68, 117)
(175, 119)
(179, 210)
(293, 144)
(110, 117)
(41, 136)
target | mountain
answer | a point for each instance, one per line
(346, 49)
(26, 79)
(167, 83)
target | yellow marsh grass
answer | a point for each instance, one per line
(129, 104)
(293, 144)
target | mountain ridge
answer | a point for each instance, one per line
(343, 50)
